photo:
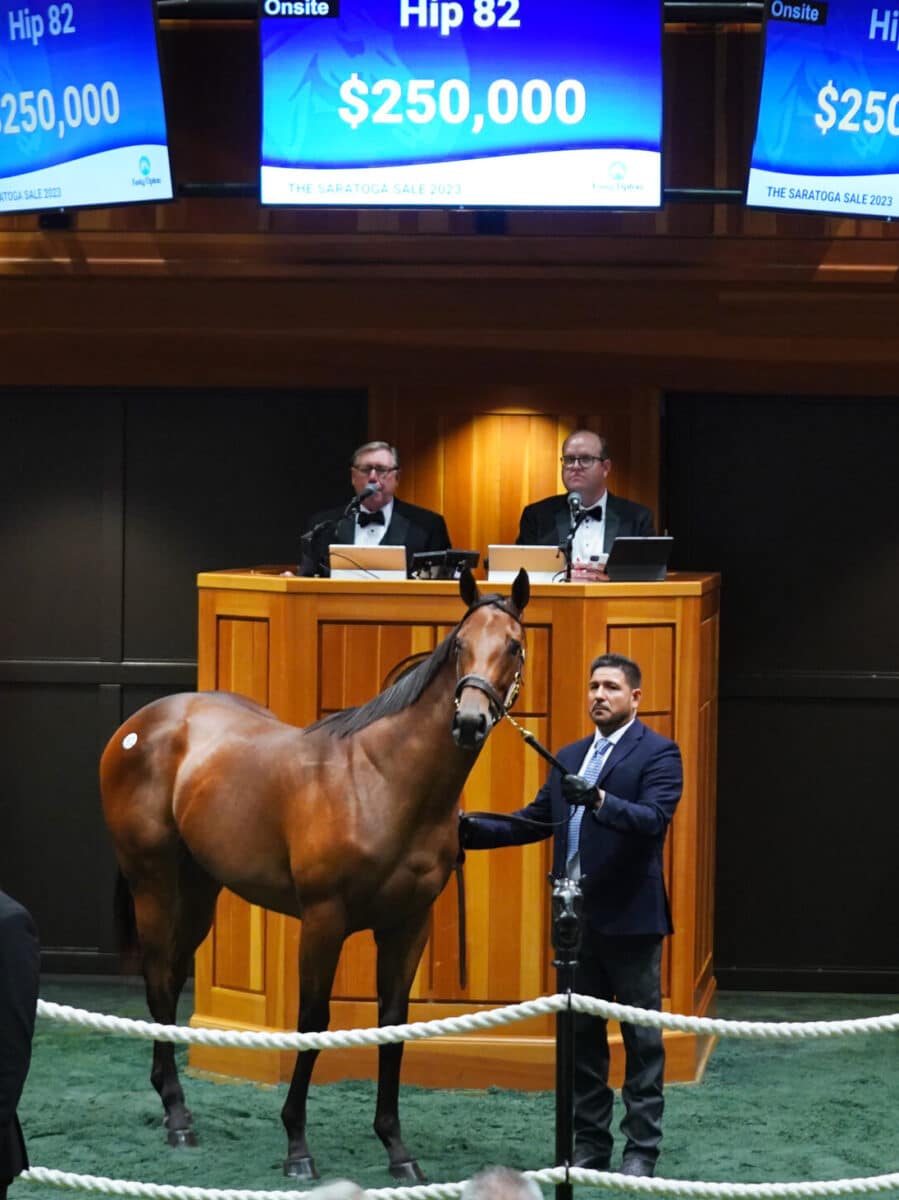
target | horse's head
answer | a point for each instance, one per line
(489, 659)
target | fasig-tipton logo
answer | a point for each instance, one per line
(805, 14)
(299, 8)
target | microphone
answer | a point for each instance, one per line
(355, 503)
(575, 504)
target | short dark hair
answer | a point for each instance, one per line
(618, 662)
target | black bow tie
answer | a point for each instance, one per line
(595, 512)
(368, 518)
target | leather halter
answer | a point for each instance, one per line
(499, 706)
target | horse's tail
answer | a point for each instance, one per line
(125, 920)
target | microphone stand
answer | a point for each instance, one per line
(309, 537)
(567, 547)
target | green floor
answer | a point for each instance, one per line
(811, 1110)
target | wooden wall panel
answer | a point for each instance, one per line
(242, 661)
(652, 648)
(492, 450)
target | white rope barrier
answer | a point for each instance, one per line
(610, 1180)
(420, 1030)
(469, 1023)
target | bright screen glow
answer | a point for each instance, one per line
(827, 138)
(82, 120)
(461, 103)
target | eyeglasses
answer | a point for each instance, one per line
(582, 460)
(367, 468)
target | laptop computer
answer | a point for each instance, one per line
(544, 564)
(367, 562)
(638, 559)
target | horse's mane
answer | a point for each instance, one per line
(408, 688)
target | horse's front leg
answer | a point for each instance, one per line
(323, 933)
(399, 952)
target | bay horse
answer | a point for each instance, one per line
(349, 824)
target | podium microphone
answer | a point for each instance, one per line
(355, 503)
(575, 505)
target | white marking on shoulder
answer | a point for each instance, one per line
(129, 740)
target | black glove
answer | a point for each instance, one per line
(577, 790)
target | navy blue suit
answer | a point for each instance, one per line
(626, 915)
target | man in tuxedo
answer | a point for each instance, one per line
(585, 468)
(374, 516)
(621, 789)
(19, 977)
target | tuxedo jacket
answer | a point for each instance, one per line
(547, 522)
(415, 528)
(19, 980)
(621, 844)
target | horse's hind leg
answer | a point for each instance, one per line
(324, 929)
(172, 919)
(399, 951)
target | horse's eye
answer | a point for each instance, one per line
(515, 647)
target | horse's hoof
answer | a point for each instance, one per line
(408, 1172)
(300, 1168)
(181, 1137)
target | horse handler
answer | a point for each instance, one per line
(20, 961)
(623, 786)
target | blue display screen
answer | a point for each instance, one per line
(458, 103)
(827, 138)
(82, 120)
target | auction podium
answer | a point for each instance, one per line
(307, 647)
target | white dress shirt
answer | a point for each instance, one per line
(590, 534)
(373, 535)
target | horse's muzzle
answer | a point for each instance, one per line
(470, 729)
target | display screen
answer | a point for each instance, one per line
(461, 103)
(827, 137)
(82, 120)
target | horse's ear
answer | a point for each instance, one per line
(521, 590)
(468, 589)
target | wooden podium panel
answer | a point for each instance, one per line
(306, 647)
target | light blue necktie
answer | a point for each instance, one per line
(591, 774)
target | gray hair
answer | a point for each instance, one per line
(366, 446)
(340, 1189)
(500, 1183)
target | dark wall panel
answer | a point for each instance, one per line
(216, 480)
(792, 500)
(807, 834)
(110, 504)
(55, 853)
(51, 523)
